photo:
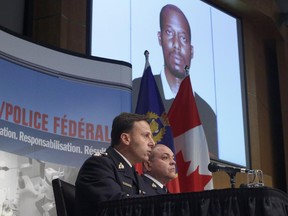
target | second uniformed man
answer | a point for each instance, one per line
(159, 170)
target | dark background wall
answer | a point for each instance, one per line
(65, 24)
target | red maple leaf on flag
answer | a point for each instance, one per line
(192, 155)
(192, 182)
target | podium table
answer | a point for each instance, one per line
(229, 202)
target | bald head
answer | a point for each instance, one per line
(161, 164)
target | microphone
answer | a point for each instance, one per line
(214, 167)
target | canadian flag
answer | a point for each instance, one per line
(192, 155)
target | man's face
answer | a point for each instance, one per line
(141, 141)
(176, 45)
(162, 165)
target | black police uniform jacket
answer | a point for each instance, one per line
(105, 177)
(151, 188)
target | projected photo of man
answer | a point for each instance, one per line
(174, 38)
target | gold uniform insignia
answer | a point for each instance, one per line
(154, 185)
(142, 192)
(120, 166)
(97, 154)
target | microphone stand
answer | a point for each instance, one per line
(232, 176)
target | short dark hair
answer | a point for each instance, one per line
(123, 123)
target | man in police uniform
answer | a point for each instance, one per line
(159, 170)
(111, 176)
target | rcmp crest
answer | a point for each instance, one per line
(157, 125)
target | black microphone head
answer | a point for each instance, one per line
(213, 167)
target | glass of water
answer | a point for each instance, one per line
(255, 178)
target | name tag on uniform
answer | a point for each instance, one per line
(127, 184)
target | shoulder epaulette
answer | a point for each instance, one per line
(97, 154)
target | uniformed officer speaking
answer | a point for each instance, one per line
(111, 175)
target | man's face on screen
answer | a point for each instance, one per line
(175, 40)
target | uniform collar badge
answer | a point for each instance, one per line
(154, 185)
(120, 166)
